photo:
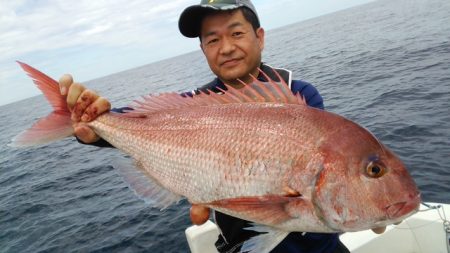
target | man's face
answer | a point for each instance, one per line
(231, 46)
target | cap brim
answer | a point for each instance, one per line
(191, 18)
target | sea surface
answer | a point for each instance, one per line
(385, 65)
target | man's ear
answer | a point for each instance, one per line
(260, 36)
(201, 47)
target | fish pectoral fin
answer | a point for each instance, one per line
(263, 243)
(270, 209)
(144, 185)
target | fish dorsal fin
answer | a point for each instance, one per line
(270, 91)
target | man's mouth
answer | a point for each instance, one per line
(230, 62)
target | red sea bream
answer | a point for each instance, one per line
(258, 153)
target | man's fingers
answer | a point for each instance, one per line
(86, 98)
(64, 83)
(379, 230)
(199, 214)
(74, 92)
(85, 134)
(99, 106)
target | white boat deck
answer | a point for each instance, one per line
(424, 232)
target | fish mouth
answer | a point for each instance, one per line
(403, 208)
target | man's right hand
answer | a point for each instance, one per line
(85, 105)
(199, 214)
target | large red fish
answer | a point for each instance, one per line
(258, 153)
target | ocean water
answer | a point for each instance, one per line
(385, 65)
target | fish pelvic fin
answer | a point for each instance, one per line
(55, 126)
(267, 91)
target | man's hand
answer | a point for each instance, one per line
(199, 214)
(85, 106)
(379, 230)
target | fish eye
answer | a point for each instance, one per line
(375, 170)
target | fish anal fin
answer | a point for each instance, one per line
(144, 185)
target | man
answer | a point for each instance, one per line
(232, 41)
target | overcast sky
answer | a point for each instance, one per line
(90, 39)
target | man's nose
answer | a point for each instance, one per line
(227, 46)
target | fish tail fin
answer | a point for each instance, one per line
(57, 125)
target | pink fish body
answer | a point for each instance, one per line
(258, 153)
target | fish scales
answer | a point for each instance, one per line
(223, 149)
(257, 153)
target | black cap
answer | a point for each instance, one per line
(191, 18)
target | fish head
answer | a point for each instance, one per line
(363, 184)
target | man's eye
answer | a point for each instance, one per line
(212, 41)
(237, 34)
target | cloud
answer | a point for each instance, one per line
(28, 26)
(59, 35)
